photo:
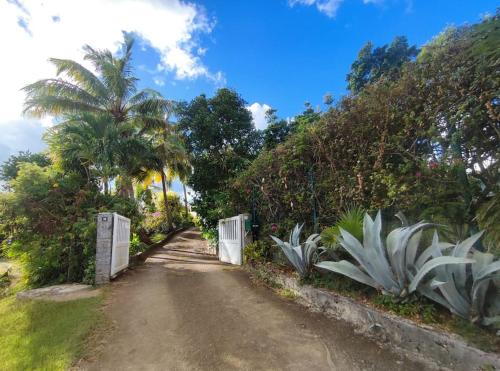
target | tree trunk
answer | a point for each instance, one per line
(185, 199)
(165, 199)
(106, 185)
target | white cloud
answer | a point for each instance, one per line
(33, 31)
(259, 114)
(158, 81)
(328, 7)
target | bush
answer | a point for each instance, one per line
(424, 143)
(256, 252)
(50, 220)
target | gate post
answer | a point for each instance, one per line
(103, 247)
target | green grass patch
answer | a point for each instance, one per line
(474, 335)
(412, 307)
(158, 237)
(43, 335)
(287, 293)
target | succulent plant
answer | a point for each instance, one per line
(462, 289)
(300, 255)
(390, 267)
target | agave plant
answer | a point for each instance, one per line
(300, 255)
(461, 289)
(388, 268)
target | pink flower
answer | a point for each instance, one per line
(433, 165)
(418, 174)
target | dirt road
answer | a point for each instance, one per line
(183, 310)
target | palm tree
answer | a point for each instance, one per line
(111, 93)
(88, 142)
(172, 158)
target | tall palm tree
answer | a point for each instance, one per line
(110, 92)
(171, 155)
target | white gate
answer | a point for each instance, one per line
(121, 243)
(232, 239)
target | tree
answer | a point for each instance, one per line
(109, 93)
(328, 99)
(10, 167)
(222, 141)
(372, 63)
(276, 131)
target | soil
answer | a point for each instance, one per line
(184, 310)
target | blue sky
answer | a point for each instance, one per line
(275, 53)
(281, 55)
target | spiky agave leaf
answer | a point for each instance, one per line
(299, 255)
(350, 270)
(434, 263)
(461, 290)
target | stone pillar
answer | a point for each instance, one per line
(103, 247)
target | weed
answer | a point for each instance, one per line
(479, 337)
(287, 293)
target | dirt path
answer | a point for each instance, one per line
(183, 310)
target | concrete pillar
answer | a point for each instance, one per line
(103, 247)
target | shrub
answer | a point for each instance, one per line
(257, 251)
(468, 292)
(390, 268)
(300, 255)
(350, 220)
(50, 220)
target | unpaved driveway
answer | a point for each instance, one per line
(183, 310)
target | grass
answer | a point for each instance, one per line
(43, 335)
(474, 335)
(157, 237)
(287, 293)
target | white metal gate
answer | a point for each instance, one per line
(232, 239)
(121, 243)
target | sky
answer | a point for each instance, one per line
(275, 53)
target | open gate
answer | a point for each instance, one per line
(232, 237)
(121, 243)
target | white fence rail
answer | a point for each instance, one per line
(121, 243)
(232, 239)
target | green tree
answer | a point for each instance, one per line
(276, 131)
(10, 167)
(372, 63)
(111, 93)
(222, 141)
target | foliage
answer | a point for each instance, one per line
(276, 130)
(484, 340)
(488, 218)
(222, 141)
(136, 245)
(300, 255)
(390, 267)
(161, 222)
(372, 64)
(338, 283)
(10, 168)
(424, 141)
(44, 335)
(351, 220)
(50, 219)
(414, 308)
(103, 115)
(463, 291)
(257, 251)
